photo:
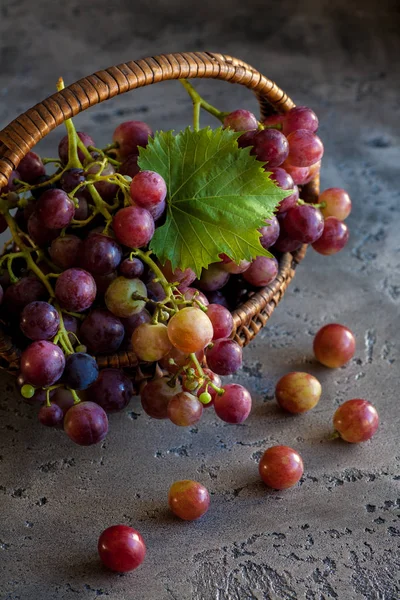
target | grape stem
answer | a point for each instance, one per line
(75, 396)
(302, 203)
(166, 285)
(200, 371)
(199, 102)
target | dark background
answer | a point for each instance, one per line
(336, 534)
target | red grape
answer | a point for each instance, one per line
(63, 146)
(40, 234)
(130, 323)
(156, 395)
(298, 174)
(184, 409)
(106, 189)
(80, 371)
(75, 290)
(304, 223)
(305, 148)
(31, 168)
(190, 330)
(234, 405)
(131, 268)
(51, 416)
(274, 121)
(194, 294)
(247, 139)
(334, 345)
(150, 342)
(39, 321)
(269, 233)
(241, 120)
(230, 266)
(10, 186)
(284, 180)
(356, 420)
(119, 297)
(225, 357)
(271, 146)
(130, 135)
(42, 363)
(86, 423)
(262, 271)
(188, 500)
(184, 278)
(19, 294)
(298, 392)
(121, 548)
(55, 209)
(112, 390)
(281, 467)
(148, 189)
(101, 331)
(133, 226)
(221, 319)
(65, 250)
(300, 117)
(71, 179)
(338, 203)
(100, 254)
(334, 237)
(129, 166)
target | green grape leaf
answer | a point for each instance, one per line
(218, 195)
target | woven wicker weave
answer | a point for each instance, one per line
(29, 128)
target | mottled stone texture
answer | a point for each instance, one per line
(334, 536)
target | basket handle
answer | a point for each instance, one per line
(29, 128)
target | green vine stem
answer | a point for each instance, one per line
(199, 102)
(73, 158)
(301, 202)
(168, 287)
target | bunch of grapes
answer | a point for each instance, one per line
(77, 279)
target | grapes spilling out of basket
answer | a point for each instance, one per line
(95, 267)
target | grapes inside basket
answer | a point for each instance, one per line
(129, 267)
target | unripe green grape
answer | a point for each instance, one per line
(205, 398)
(27, 391)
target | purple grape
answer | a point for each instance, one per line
(300, 117)
(38, 191)
(80, 371)
(192, 294)
(298, 174)
(305, 148)
(106, 189)
(31, 168)
(158, 210)
(156, 395)
(133, 226)
(131, 268)
(63, 398)
(131, 323)
(334, 237)
(247, 139)
(269, 233)
(102, 332)
(11, 186)
(86, 423)
(103, 282)
(284, 181)
(271, 146)
(71, 179)
(213, 278)
(71, 325)
(26, 290)
(112, 390)
(129, 166)
(262, 271)
(225, 357)
(55, 209)
(1, 294)
(82, 210)
(51, 416)
(64, 251)
(42, 364)
(286, 244)
(148, 189)
(63, 147)
(40, 234)
(241, 120)
(75, 290)
(304, 223)
(100, 254)
(39, 321)
(217, 297)
(130, 135)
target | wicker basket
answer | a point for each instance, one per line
(29, 128)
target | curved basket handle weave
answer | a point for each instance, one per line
(29, 128)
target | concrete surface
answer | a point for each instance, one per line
(337, 534)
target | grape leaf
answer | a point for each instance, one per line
(218, 195)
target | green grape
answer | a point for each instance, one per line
(27, 391)
(119, 300)
(205, 398)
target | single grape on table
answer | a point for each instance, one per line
(280, 467)
(121, 548)
(356, 420)
(334, 345)
(298, 392)
(188, 500)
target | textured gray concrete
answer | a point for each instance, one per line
(337, 534)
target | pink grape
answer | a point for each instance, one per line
(39, 321)
(184, 409)
(356, 420)
(241, 120)
(274, 121)
(334, 237)
(225, 357)
(112, 390)
(188, 500)
(283, 180)
(304, 223)
(130, 135)
(133, 226)
(300, 117)
(190, 330)
(156, 395)
(31, 168)
(313, 171)
(121, 548)
(65, 250)
(262, 271)
(150, 342)
(213, 278)
(305, 148)
(234, 405)
(221, 319)
(230, 266)
(75, 290)
(118, 297)
(271, 146)
(102, 332)
(298, 392)
(86, 423)
(298, 174)
(338, 203)
(334, 345)
(148, 189)
(42, 363)
(194, 294)
(183, 277)
(63, 146)
(281, 467)
(269, 233)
